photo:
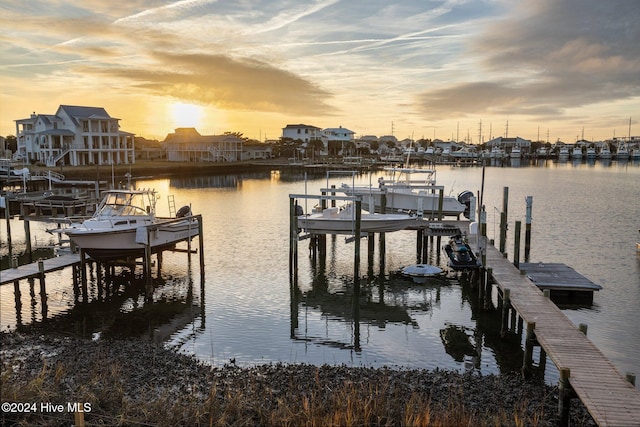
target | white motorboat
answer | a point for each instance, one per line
(576, 153)
(402, 193)
(125, 223)
(343, 221)
(516, 152)
(563, 154)
(623, 152)
(591, 152)
(605, 152)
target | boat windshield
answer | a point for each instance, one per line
(125, 204)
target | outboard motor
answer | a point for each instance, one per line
(299, 210)
(465, 199)
(183, 211)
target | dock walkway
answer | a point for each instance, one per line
(609, 398)
(26, 271)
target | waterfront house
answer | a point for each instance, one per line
(187, 145)
(258, 151)
(304, 133)
(74, 136)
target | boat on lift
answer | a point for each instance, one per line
(335, 220)
(125, 223)
(403, 192)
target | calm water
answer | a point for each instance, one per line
(586, 216)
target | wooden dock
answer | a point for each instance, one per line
(27, 271)
(608, 396)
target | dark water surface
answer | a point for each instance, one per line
(586, 216)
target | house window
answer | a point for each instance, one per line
(298, 130)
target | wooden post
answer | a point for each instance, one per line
(27, 238)
(440, 205)
(371, 246)
(503, 218)
(7, 216)
(356, 275)
(488, 289)
(582, 327)
(516, 245)
(18, 300)
(292, 233)
(530, 340)
(425, 248)
(506, 306)
(43, 289)
(419, 236)
(147, 264)
(527, 229)
(565, 393)
(75, 272)
(503, 231)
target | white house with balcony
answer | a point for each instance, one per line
(187, 145)
(74, 136)
(304, 133)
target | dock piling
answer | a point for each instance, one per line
(530, 342)
(527, 231)
(516, 245)
(564, 397)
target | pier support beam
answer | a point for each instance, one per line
(516, 245)
(527, 229)
(506, 306)
(530, 342)
(565, 394)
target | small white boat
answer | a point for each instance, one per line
(125, 223)
(403, 193)
(542, 152)
(623, 152)
(576, 153)
(605, 152)
(421, 270)
(563, 153)
(516, 152)
(343, 221)
(591, 152)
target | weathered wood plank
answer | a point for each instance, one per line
(608, 397)
(32, 270)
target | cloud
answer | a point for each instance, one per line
(236, 84)
(549, 56)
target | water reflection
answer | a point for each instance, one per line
(116, 303)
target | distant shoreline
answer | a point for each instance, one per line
(159, 168)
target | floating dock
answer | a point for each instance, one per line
(561, 280)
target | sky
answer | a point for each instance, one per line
(467, 70)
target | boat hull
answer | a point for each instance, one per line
(408, 201)
(111, 244)
(369, 223)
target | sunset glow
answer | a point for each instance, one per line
(186, 115)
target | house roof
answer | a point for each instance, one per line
(191, 135)
(302, 127)
(85, 112)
